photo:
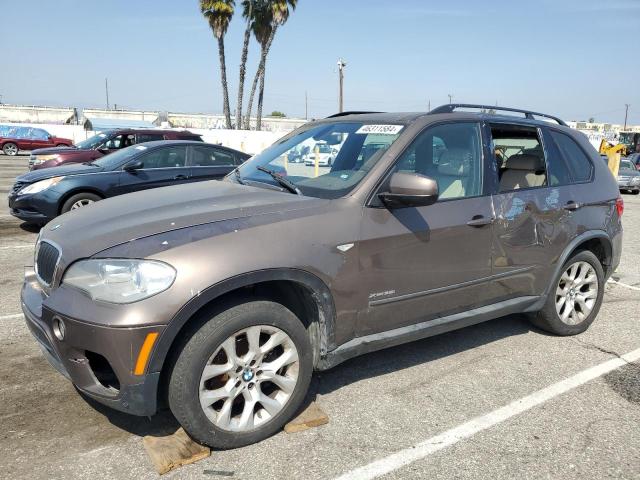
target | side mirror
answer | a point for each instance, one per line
(133, 166)
(410, 190)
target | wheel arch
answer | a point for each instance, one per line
(597, 242)
(75, 191)
(302, 292)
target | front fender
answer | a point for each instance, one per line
(322, 296)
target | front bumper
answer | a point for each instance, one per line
(37, 208)
(72, 356)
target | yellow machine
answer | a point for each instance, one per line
(613, 153)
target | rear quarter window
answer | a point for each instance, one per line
(577, 161)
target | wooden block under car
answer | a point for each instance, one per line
(312, 416)
(167, 453)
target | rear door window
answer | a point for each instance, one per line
(149, 137)
(580, 167)
(519, 157)
(211, 157)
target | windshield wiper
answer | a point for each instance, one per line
(91, 164)
(281, 180)
(238, 176)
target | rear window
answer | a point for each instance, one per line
(580, 167)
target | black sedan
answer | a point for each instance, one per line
(42, 195)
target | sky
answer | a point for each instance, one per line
(573, 58)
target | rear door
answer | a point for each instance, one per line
(532, 204)
(210, 162)
(162, 166)
(424, 262)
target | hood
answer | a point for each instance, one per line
(52, 150)
(84, 232)
(69, 169)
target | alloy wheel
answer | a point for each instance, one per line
(576, 293)
(83, 202)
(10, 149)
(249, 378)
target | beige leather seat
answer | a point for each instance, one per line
(522, 171)
(453, 170)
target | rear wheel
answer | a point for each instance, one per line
(79, 200)
(242, 375)
(575, 296)
(10, 149)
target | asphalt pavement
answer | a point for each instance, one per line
(383, 407)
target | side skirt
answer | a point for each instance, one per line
(378, 341)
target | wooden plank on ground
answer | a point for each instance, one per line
(167, 453)
(312, 416)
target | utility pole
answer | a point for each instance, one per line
(450, 97)
(429, 105)
(626, 113)
(106, 88)
(341, 65)
(306, 106)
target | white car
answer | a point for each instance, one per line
(325, 154)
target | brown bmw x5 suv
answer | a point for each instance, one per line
(222, 298)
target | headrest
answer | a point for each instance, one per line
(524, 161)
(455, 162)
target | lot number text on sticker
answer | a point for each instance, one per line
(380, 129)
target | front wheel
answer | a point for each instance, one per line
(79, 200)
(242, 375)
(575, 296)
(10, 149)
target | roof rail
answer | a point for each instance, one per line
(449, 108)
(353, 112)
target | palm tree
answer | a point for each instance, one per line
(267, 18)
(247, 13)
(219, 13)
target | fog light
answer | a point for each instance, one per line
(58, 328)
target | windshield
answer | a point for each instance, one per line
(118, 158)
(92, 142)
(324, 161)
(625, 164)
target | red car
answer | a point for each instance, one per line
(102, 144)
(14, 139)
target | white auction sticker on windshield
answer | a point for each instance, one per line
(380, 129)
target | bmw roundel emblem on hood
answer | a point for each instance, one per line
(55, 227)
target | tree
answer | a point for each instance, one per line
(592, 120)
(277, 114)
(219, 13)
(247, 14)
(268, 16)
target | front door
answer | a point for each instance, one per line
(162, 166)
(421, 263)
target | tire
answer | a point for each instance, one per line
(188, 384)
(61, 145)
(549, 318)
(74, 201)
(635, 192)
(10, 149)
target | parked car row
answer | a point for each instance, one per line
(102, 144)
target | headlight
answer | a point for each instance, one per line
(38, 159)
(40, 186)
(120, 281)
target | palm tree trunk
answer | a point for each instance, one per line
(256, 79)
(243, 70)
(225, 87)
(260, 99)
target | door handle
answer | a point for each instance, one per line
(572, 206)
(480, 221)
(180, 177)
